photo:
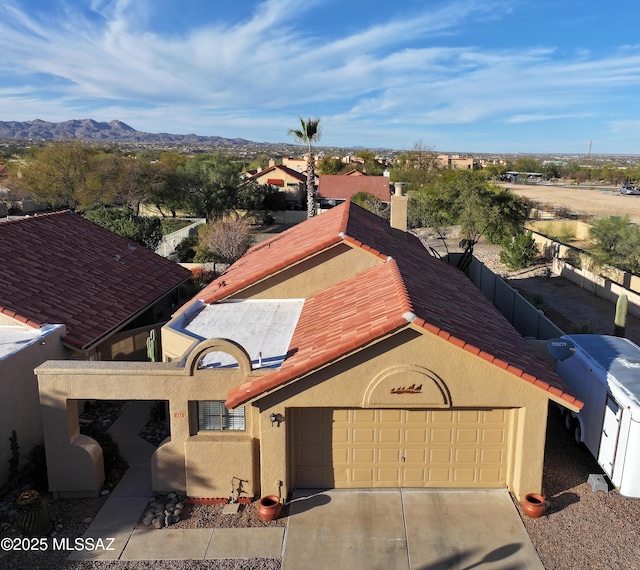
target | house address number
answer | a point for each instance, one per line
(178, 415)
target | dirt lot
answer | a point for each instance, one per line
(583, 200)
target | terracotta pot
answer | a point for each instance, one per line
(269, 508)
(534, 505)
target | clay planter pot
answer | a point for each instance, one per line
(534, 505)
(269, 508)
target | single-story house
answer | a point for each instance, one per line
(337, 354)
(71, 289)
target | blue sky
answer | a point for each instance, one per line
(455, 75)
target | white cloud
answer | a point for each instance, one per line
(261, 71)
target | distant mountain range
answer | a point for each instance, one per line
(90, 130)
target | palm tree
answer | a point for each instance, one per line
(309, 132)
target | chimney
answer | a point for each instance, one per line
(399, 208)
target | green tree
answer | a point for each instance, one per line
(372, 203)
(371, 165)
(123, 222)
(308, 133)
(264, 197)
(57, 174)
(169, 195)
(331, 165)
(122, 181)
(524, 164)
(465, 198)
(417, 167)
(519, 251)
(617, 242)
(210, 183)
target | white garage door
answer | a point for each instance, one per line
(360, 448)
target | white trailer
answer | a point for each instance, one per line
(604, 372)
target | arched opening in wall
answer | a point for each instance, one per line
(217, 359)
(126, 430)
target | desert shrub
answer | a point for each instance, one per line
(519, 252)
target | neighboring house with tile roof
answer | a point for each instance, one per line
(71, 289)
(289, 181)
(336, 354)
(334, 189)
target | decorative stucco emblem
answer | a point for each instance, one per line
(413, 389)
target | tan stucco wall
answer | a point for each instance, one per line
(20, 402)
(579, 230)
(205, 464)
(75, 462)
(470, 381)
(313, 275)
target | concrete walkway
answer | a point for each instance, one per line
(121, 511)
(403, 529)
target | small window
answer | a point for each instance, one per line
(214, 416)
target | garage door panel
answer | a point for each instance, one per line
(441, 435)
(415, 416)
(466, 455)
(438, 476)
(391, 448)
(391, 435)
(493, 436)
(439, 455)
(388, 476)
(468, 416)
(412, 456)
(495, 456)
(464, 476)
(365, 435)
(364, 455)
(487, 475)
(467, 435)
(390, 455)
(415, 435)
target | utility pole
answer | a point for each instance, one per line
(589, 155)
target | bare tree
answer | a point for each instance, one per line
(227, 239)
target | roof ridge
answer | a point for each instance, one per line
(31, 217)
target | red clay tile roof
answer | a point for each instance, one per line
(63, 269)
(339, 319)
(444, 301)
(275, 254)
(342, 187)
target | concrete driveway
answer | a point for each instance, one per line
(406, 529)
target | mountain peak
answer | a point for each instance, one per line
(93, 131)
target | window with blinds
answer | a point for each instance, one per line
(214, 416)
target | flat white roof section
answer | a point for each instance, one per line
(14, 338)
(263, 327)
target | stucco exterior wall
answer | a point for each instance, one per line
(470, 381)
(208, 463)
(312, 275)
(20, 402)
(75, 461)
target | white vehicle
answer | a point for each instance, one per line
(627, 190)
(604, 372)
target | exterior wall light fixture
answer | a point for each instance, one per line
(276, 418)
